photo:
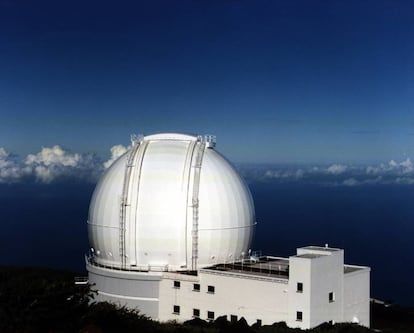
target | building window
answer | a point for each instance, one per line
(331, 297)
(196, 287)
(177, 284)
(210, 315)
(211, 289)
(176, 309)
(299, 287)
(233, 318)
(196, 313)
(259, 322)
(299, 315)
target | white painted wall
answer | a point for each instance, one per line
(177, 296)
(357, 296)
(327, 276)
(234, 294)
(253, 297)
(299, 272)
(137, 290)
(321, 272)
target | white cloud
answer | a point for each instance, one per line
(337, 169)
(393, 167)
(392, 164)
(370, 170)
(116, 152)
(9, 170)
(53, 156)
(299, 173)
(407, 166)
(350, 182)
(405, 180)
(392, 172)
(3, 153)
(52, 163)
(57, 164)
(284, 174)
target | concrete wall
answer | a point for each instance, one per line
(299, 272)
(134, 289)
(252, 296)
(241, 295)
(182, 296)
(327, 277)
(357, 297)
(321, 273)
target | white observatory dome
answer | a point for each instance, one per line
(172, 202)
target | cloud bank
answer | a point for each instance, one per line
(392, 172)
(54, 164)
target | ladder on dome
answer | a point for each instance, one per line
(136, 141)
(195, 200)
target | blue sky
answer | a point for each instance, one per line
(289, 82)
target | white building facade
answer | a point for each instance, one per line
(170, 225)
(304, 290)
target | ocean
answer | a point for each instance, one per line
(45, 225)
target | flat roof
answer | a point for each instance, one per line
(309, 255)
(263, 266)
(321, 248)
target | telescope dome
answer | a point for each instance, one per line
(171, 202)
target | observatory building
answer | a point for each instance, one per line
(170, 226)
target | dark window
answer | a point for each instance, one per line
(233, 318)
(299, 316)
(210, 315)
(196, 287)
(176, 309)
(196, 313)
(177, 284)
(331, 297)
(211, 289)
(299, 287)
(259, 322)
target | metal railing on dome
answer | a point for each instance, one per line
(136, 139)
(209, 139)
(139, 268)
